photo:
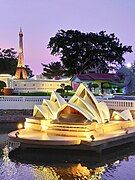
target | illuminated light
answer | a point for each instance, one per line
(116, 117)
(44, 128)
(26, 125)
(20, 126)
(20, 50)
(88, 136)
(128, 65)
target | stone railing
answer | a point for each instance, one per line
(20, 102)
(119, 104)
(28, 102)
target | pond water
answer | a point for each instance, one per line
(48, 164)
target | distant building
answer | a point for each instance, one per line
(91, 78)
(31, 85)
(48, 85)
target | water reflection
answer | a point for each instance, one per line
(109, 167)
(16, 171)
(74, 171)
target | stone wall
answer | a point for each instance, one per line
(14, 115)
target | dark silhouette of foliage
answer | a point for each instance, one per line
(106, 85)
(2, 84)
(61, 91)
(29, 71)
(68, 88)
(80, 52)
(54, 69)
(132, 68)
(62, 86)
(94, 85)
(8, 61)
(64, 90)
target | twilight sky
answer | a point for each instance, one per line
(41, 19)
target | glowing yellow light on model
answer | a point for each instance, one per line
(44, 127)
(20, 126)
(116, 117)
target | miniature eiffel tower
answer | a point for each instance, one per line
(21, 72)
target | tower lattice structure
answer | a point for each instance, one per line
(21, 72)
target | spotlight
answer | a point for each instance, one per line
(128, 65)
(20, 126)
(117, 117)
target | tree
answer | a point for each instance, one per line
(62, 86)
(2, 84)
(133, 67)
(8, 61)
(79, 52)
(68, 88)
(94, 85)
(54, 69)
(61, 91)
(106, 85)
(29, 71)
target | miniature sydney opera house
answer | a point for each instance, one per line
(83, 121)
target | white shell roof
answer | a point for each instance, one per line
(83, 101)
